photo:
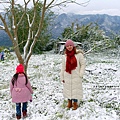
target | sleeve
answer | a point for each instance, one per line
(62, 69)
(82, 65)
(29, 87)
(11, 87)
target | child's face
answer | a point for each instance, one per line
(69, 48)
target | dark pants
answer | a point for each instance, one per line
(74, 100)
(2, 57)
(18, 108)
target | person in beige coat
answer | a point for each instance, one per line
(72, 71)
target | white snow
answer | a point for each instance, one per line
(14, 38)
(2, 27)
(101, 88)
(13, 26)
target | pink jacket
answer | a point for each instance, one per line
(20, 92)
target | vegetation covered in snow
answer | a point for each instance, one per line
(101, 87)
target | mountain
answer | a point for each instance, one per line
(4, 39)
(106, 22)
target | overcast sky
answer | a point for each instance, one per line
(111, 7)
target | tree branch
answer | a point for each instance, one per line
(28, 39)
(2, 27)
(30, 26)
(38, 32)
(6, 27)
(84, 4)
(14, 25)
(49, 4)
(63, 3)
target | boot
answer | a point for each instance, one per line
(75, 106)
(69, 104)
(18, 117)
(24, 114)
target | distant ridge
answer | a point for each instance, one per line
(106, 22)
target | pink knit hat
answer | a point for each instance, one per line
(20, 68)
(69, 42)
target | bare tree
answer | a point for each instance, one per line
(32, 38)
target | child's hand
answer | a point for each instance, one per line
(32, 96)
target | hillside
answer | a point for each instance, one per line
(4, 39)
(107, 23)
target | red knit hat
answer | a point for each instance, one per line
(20, 68)
(69, 42)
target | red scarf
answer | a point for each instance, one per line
(71, 62)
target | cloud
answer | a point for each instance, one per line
(110, 7)
(94, 7)
(112, 12)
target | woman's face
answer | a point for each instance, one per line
(69, 48)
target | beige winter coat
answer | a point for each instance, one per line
(72, 88)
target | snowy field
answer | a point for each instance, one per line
(101, 87)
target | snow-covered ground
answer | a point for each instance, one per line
(101, 87)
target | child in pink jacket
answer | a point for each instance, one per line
(21, 91)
